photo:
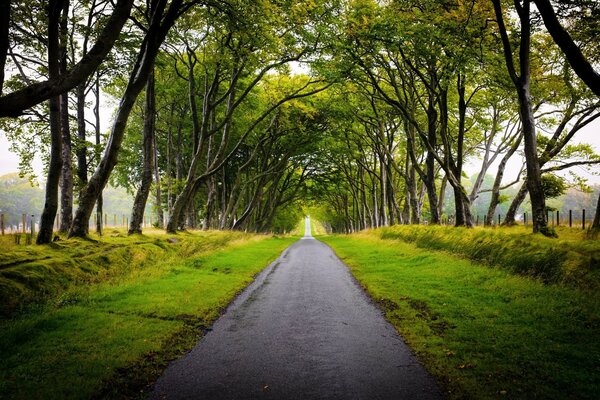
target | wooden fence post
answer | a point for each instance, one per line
(32, 226)
(570, 218)
(525, 217)
(498, 219)
(24, 221)
(477, 221)
(2, 223)
(583, 219)
(557, 218)
(115, 221)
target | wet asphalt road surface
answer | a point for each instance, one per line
(303, 330)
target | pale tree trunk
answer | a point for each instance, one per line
(141, 197)
(159, 210)
(54, 169)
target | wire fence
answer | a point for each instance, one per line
(25, 227)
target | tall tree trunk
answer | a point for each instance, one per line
(522, 84)
(66, 179)
(54, 169)
(81, 150)
(210, 203)
(99, 201)
(159, 210)
(141, 197)
(430, 165)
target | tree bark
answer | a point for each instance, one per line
(596, 223)
(141, 197)
(430, 165)
(159, 209)
(54, 169)
(81, 136)
(66, 180)
(99, 201)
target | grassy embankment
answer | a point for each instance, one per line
(113, 313)
(488, 331)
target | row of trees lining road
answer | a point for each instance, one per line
(392, 102)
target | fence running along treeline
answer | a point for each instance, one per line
(28, 224)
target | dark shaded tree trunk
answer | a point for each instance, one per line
(141, 197)
(54, 169)
(596, 222)
(99, 201)
(522, 84)
(81, 150)
(430, 165)
(66, 179)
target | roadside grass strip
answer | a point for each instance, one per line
(484, 333)
(113, 339)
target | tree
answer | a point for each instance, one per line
(162, 20)
(15, 103)
(522, 83)
(580, 64)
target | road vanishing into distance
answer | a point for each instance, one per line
(304, 329)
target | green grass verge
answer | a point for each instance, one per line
(485, 333)
(571, 259)
(35, 274)
(113, 338)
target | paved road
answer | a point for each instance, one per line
(303, 330)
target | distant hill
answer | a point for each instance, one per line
(19, 196)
